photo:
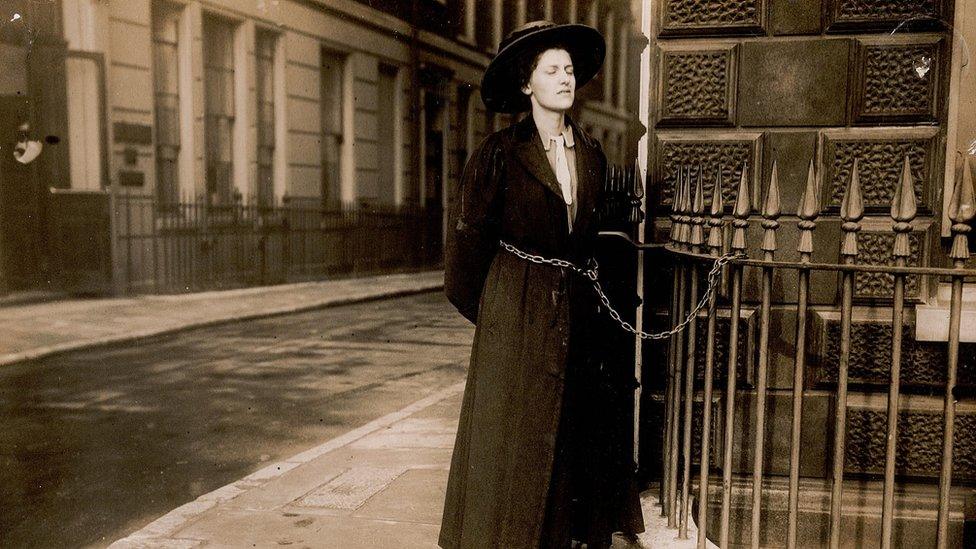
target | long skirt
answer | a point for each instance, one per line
(593, 491)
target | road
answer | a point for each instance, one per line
(95, 444)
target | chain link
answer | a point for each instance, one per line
(591, 273)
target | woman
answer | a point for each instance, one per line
(533, 464)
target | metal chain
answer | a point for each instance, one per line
(591, 273)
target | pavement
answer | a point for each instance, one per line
(31, 331)
(380, 485)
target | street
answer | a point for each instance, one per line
(97, 443)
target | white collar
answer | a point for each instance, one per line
(567, 136)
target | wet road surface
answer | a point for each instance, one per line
(95, 444)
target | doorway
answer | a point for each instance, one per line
(21, 205)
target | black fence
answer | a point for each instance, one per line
(192, 245)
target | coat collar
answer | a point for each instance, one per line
(532, 155)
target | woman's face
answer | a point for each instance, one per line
(552, 85)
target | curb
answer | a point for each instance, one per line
(150, 334)
(157, 533)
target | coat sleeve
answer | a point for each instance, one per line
(473, 227)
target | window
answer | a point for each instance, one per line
(483, 36)
(464, 13)
(535, 10)
(165, 33)
(561, 11)
(264, 49)
(386, 134)
(509, 19)
(218, 73)
(333, 66)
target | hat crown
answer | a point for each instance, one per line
(527, 28)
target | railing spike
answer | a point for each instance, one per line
(741, 211)
(676, 206)
(697, 209)
(743, 201)
(715, 219)
(635, 189)
(684, 194)
(810, 203)
(771, 211)
(903, 210)
(851, 211)
(962, 210)
(903, 205)
(771, 206)
(718, 199)
(807, 212)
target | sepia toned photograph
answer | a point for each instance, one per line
(488, 274)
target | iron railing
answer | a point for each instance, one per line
(693, 254)
(193, 245)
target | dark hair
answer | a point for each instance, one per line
(529, 60)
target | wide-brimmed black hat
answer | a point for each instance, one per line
(500, 89)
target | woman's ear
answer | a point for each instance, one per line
(526, 90)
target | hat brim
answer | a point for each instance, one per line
(500, 87)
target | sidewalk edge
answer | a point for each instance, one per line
(165, 526)
(148, 335)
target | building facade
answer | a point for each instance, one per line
(214, 105)
(824, 100)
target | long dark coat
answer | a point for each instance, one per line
(538, 450)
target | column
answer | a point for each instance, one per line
(622, 60)
(496, 22)
(469, 24)
(608, 68)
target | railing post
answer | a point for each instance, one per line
(741, 211)
(714, 249)
(770, 212)
(962, 209)
(695, 240)
(684, 205)
(807, 212)
(851, 211)
(903, 210)
(674, 355)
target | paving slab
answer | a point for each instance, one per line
(415, 496)
(352, 488)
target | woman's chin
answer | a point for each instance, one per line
(560, 104)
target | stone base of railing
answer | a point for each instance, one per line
(916, 509)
